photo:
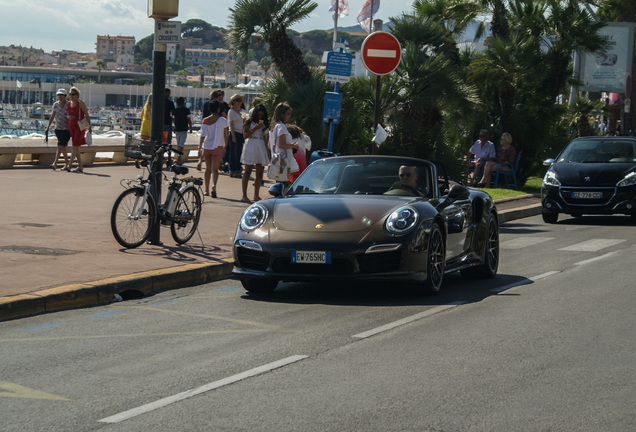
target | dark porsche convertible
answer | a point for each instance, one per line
(351, 218)
(592, 175)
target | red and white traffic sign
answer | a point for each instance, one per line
(381, 53)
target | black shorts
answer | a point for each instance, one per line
(63, 137)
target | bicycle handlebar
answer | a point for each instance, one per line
(167, 147)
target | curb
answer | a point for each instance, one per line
(151, 282)
(521, 212)
(105, 291)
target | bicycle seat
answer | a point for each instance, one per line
(179, 169)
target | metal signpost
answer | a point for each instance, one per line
(381, 54)
(338, 70)
(161, 11)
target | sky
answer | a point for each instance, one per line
(55, 25)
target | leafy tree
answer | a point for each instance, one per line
(146, 65)
(271, 19)
(312, 59)
(143, 49)
(195, 28)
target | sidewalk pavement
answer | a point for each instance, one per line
(57, 250)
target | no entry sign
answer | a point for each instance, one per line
(381, 53)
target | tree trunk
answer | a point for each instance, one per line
(289, 59)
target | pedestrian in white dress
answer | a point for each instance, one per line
(254, 155)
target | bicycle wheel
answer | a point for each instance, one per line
(186, 215)
(130, 225)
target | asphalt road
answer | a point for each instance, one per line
(547, 345)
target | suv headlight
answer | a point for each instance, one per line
(550, 179)
(402, 220)
(253, 217)
(629, 180)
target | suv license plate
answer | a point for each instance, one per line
(311, 257)
(587, 195)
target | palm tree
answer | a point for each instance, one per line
(101, 64)
(266, 64)
(271, 19)
(581, 113)
(212, 67)
(428, 95)
(169, 72)
(200, 72)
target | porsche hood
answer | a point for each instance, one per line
(336, 213)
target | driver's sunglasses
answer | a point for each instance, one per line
(407, 174)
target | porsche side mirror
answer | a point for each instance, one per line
(277, 190)
(457, 192)
(548, 162)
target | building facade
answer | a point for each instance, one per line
(111, 48)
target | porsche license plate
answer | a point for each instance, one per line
(311, 257)
(587, 195)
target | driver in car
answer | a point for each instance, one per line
(408, 180)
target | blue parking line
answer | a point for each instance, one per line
(166, 302)
(103, 314)
(228, 289)
(42, 326)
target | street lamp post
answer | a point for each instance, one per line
(160, 11)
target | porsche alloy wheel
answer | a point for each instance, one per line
(435, 261)
(488, 269)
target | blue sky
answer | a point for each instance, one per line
(75, 24)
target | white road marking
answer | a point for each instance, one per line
(587, 261)
(592, 245)
(381, 53)
(521, 242)
(406, 320)
(205, 388)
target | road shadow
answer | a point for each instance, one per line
(601, 220)
(454, 289)
(182, 254)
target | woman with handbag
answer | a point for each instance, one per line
(78, 122)
(280, 141)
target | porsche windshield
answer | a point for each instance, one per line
(361, 176)
(599, 151)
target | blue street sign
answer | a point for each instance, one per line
(338, 67)
(331, 110)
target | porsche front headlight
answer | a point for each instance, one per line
(402, 220)
(629, 180)
(253, 217)
(550, 179)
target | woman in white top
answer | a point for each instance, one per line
(280, 140)
(255, 150)
(212, 144)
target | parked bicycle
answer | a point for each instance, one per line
(135, 210)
